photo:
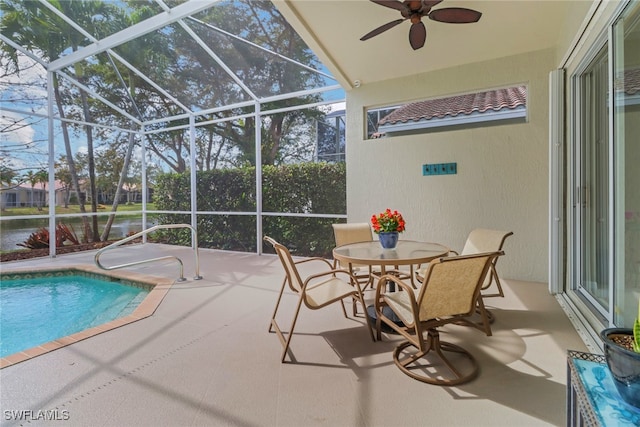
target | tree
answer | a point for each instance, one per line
(34, 28)
(262, 24)
(32, 179)
(186, 69)
(39, 30)
(123, 174)
(42, 177)
(172, 59)
(63, 175)
(7, 175)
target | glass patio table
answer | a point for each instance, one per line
(406, 253)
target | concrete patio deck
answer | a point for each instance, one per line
(205, 358)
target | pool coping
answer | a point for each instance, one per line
(159, 288)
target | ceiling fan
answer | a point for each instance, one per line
(415, 10)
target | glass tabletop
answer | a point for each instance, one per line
(407, 252)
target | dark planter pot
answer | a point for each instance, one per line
(624, 365)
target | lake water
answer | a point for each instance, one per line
(17, 231)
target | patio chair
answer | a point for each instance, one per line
(345, 233)
(449, 294)
(484, 240)
(315, 291)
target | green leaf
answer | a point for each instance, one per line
(636, 336)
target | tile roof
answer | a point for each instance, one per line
(492, 100)
(482, 102)
(42, 186)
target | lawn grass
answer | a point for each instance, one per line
(72, 209)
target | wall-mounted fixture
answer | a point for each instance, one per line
(440, 169)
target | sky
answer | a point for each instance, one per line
(22, 134)
(23, 100)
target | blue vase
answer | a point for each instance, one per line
(388, 239)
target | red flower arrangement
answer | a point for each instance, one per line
(388, 221)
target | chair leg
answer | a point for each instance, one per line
(493, 276)
(344, 311)
(366, 316)
(287, 342)
(487, 317)
(369, 280)
(378, 329)
(275, 310)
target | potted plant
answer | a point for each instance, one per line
(622, 353)
(387, 225)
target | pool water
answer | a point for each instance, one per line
(38, 310)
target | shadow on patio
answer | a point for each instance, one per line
(205, 358)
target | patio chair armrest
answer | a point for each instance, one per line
(384, 299)
(333, 272)
(381, 286)
(315, 259)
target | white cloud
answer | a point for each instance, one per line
(27, 89)
(14, 129)
(15, 163)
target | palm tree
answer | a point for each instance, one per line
(31, 178)
(42, 177)
(39, 30)
(7, 176)
(64, 178)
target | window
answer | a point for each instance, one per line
(592, 178)
(472, 109)
(626, 177)
(605, 235)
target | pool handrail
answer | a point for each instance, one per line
(194, 238)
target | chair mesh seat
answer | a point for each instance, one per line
(327, 291)
(400, 303)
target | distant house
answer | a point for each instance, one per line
(330, 136)
(24, 195)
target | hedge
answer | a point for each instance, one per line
(308, 188)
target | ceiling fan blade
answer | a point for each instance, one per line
(428, 4)
(417, 35)
(393, 4)
(455, 15)
(381, 29)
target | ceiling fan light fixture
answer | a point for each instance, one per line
(414, 10)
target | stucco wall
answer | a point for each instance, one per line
(502, 179)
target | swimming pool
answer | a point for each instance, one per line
(44, 310)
